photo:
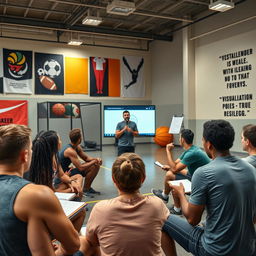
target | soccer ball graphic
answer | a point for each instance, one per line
(40, 72)
(72, 110)
(52, 68)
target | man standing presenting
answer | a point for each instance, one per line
(182, 168)
(29, 214)
(71, 152)
(125, 132)
(226, 187)
(249, 143)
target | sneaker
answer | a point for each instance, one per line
(87, 194)
(158, 193)
(172, 211)
(92, 191)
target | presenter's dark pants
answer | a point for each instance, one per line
(121, 150)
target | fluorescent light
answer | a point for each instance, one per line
(75, 42)
(92, 20)
(221, 5)
(121, 7)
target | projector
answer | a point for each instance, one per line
(121, 7)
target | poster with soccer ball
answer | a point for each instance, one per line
(49, 75)
(64, 110)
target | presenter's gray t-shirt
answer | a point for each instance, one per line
(251, 160)
(227, 188)
(126, 139)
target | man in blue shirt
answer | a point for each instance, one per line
(125, 132)
(226, 188)
(181, 168)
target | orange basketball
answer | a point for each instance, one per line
(58, 109)
(163, 137)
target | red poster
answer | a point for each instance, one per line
(13, 112)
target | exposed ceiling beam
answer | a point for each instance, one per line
(197, 2)
(34, 8)
(26, 12)
(48, 13)
(164, 8)
(4, 11)
(81, 29)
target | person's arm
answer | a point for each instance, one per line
(73, 156)
(85, 157)
(175, 166)
(40, 209)
(72, 185)
(119, 133)
(192, 212)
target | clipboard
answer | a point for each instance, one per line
(176, 124)
(72, 208)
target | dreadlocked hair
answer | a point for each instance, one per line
(45, 150)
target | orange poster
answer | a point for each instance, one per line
(76, 75)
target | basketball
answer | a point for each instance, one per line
(163, 137)
(58, 109)
(48, 83)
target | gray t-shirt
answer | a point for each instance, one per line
(126, 139)
(251, 160)
(227, 187)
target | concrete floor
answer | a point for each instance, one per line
(155, 176)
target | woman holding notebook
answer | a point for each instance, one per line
(131, 223)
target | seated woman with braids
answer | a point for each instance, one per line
(130, 224)
(45, 168)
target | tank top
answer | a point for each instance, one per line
(13, 232)
(64, 161)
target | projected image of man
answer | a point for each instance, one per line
(125, 132)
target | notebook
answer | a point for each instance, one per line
(72, 208)
(186, 183)
(65, 196)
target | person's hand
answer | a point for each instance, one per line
(68, 172)
(58, 250)
(55, 245)
(99, 161)
(129, 129)
(169, 147)
(166, 167)
(177, 190)
(75, 188)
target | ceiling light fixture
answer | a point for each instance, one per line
(221, 5)
(75, 42)
(121, 7)
(92, 20)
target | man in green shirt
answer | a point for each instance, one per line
(182, 168)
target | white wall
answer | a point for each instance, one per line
(82, 51)
(209, 80)
(167, 79)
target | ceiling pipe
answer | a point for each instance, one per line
(135, 12)
(81, 29)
